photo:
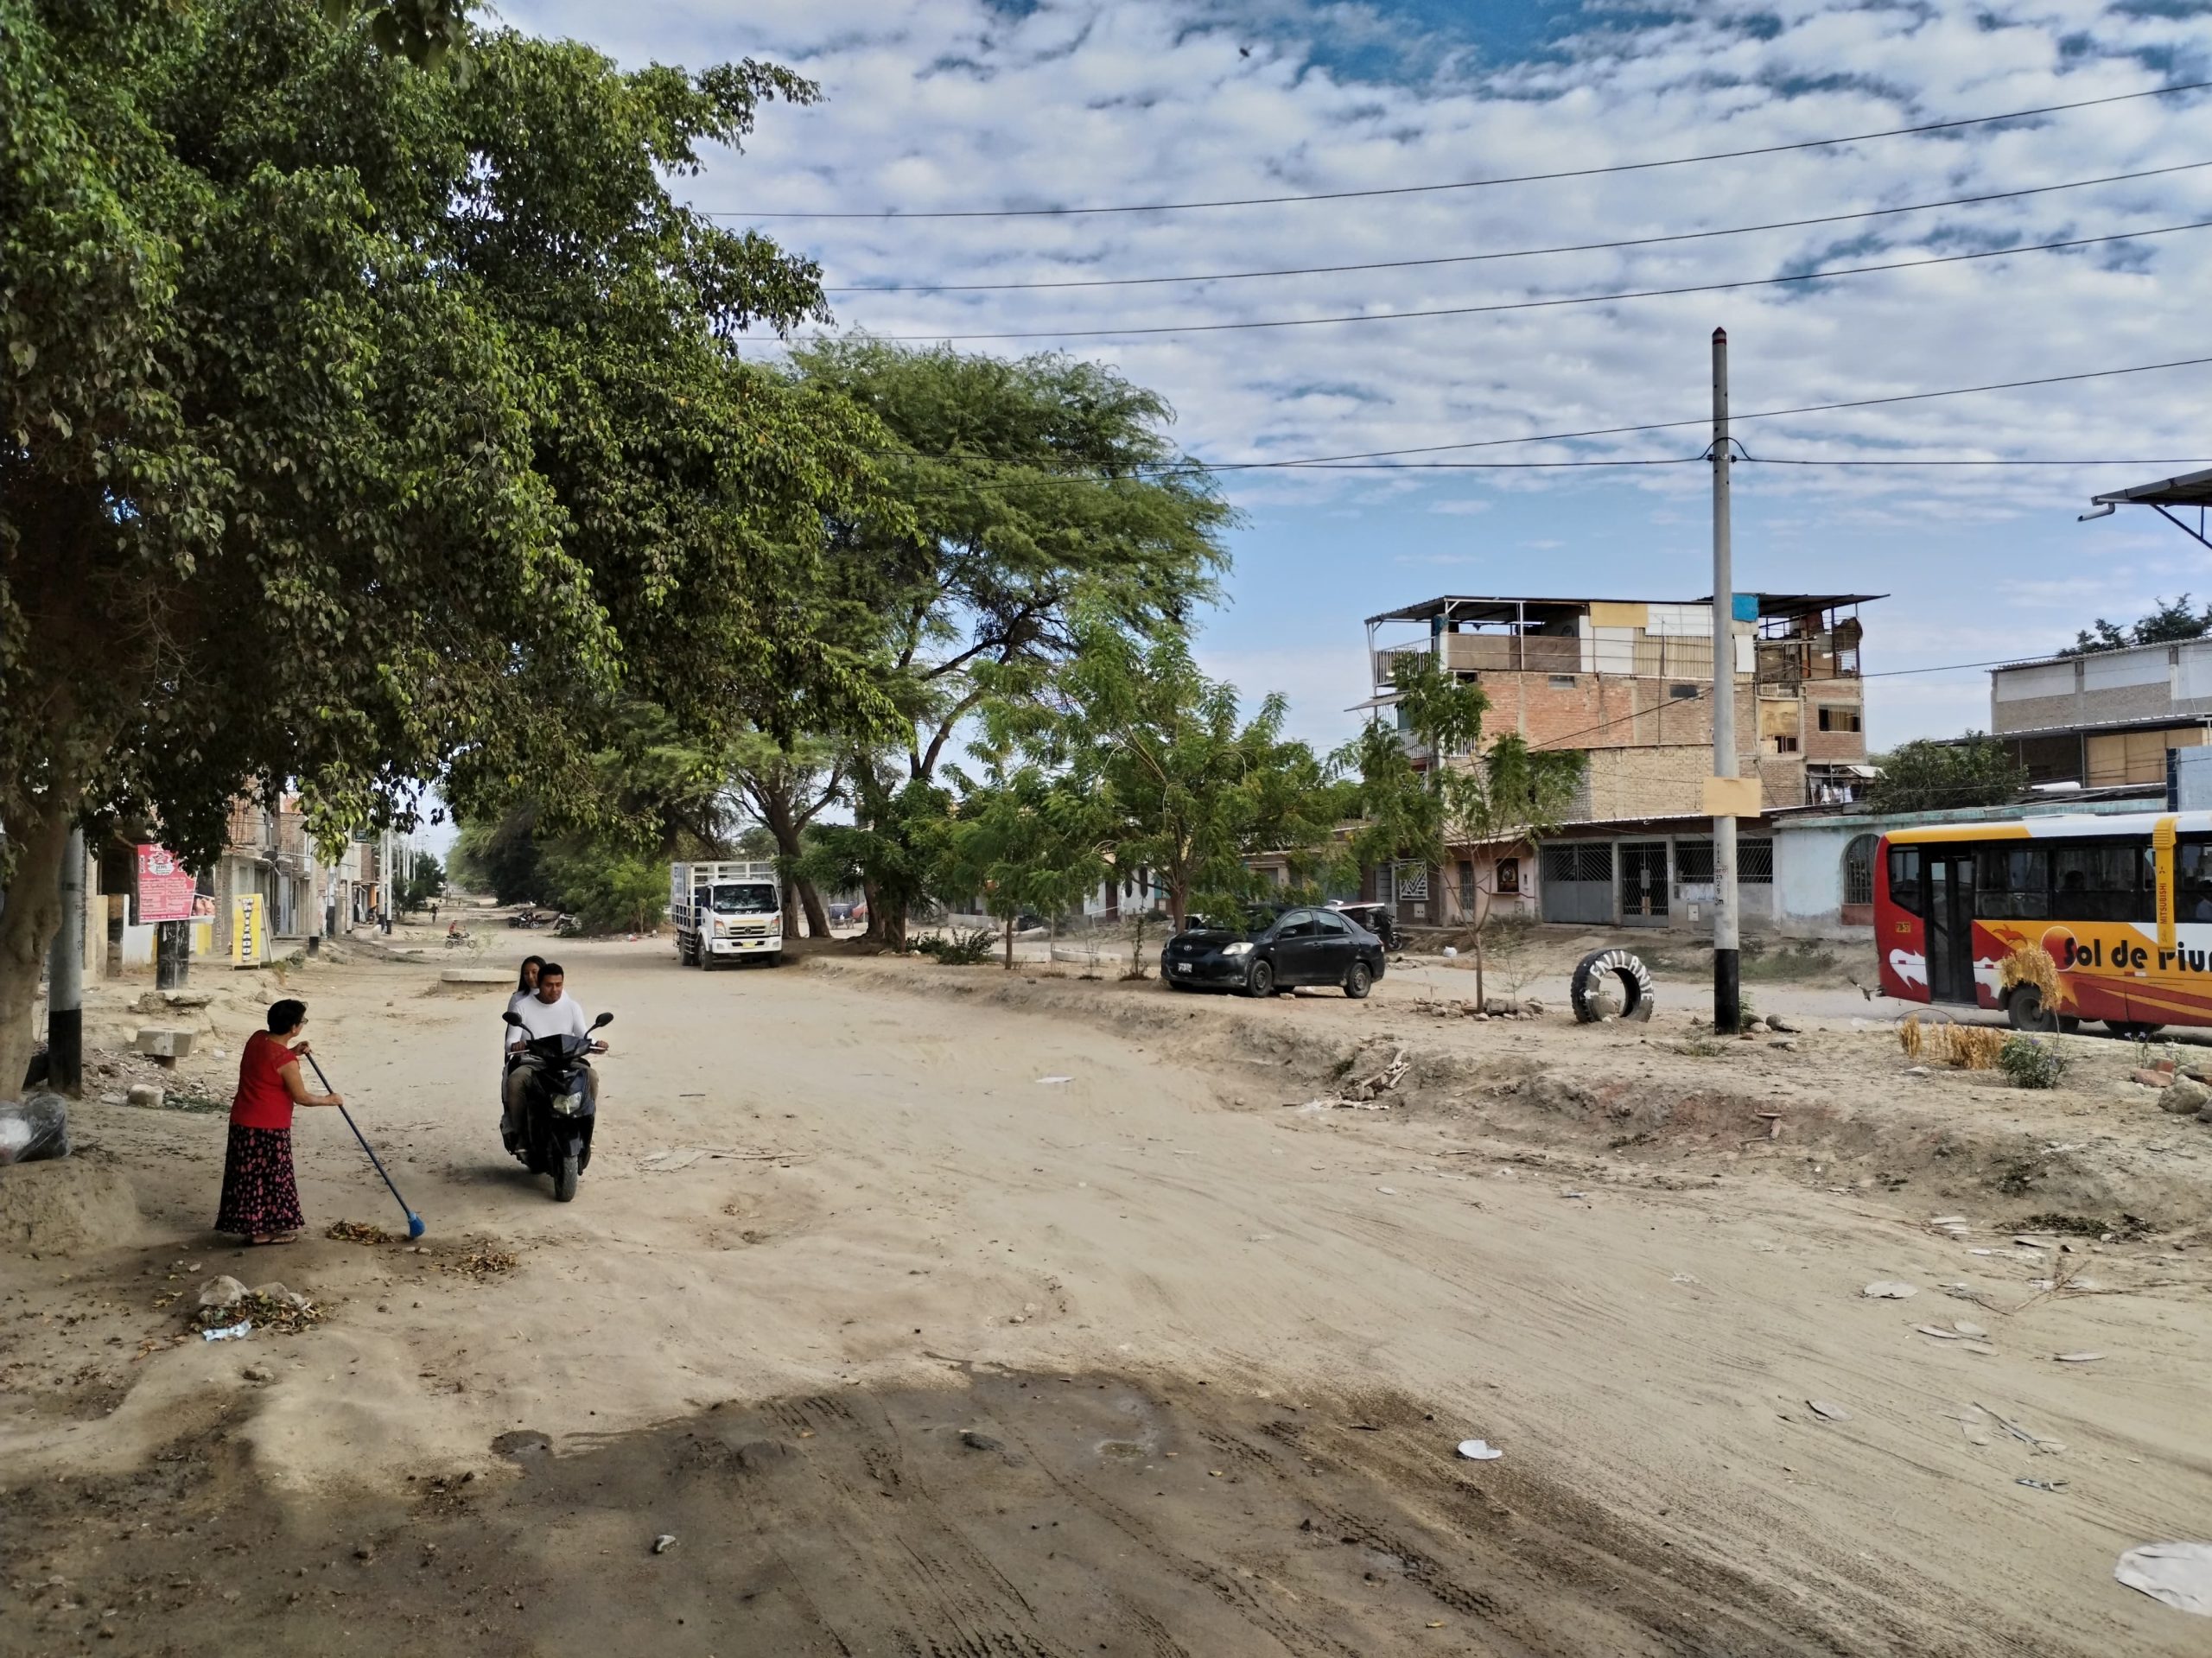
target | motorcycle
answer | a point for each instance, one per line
(566, 926)
(557, 1108)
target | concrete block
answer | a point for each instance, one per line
(476, 976)
(160, 1042)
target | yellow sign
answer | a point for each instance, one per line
(249, 935)
(1733, 797)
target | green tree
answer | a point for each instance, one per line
(1183, 787)
(2169, 621)
(786, 785)
(1928, 775)
(1027, 840)
(426, 880)
(365, 428)
(1495, 797)
(608, 888)
(896, 857)
(501, 856)
(1018, 484)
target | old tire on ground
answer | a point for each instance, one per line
(1260, 981)
(1623, 966)
(1359, 981)
(564, 1179)
(2024, 1008)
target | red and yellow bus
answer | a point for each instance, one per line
(2121, 905)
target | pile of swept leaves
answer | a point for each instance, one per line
(478, 1264)
(283, 1316)
(360, 1232)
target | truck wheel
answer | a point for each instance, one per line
(1590, 975)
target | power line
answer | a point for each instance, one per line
(1741, 460)
(1546, 304)
(1515, 253)
(1706, 419)
(1481, 184)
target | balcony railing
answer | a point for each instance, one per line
(1777, 662)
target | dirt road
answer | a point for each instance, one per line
(913, 1349)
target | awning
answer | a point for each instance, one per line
(2191, 489)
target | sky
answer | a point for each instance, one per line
(960, 106)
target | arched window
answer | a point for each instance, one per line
(1858, 871)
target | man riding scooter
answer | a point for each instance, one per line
(549, 1012)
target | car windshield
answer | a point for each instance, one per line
(745, 900)
(1256, 919)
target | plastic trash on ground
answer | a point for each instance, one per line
(228, 1332)
(35, 1129)
(1479, 1451)
(2178, 1575)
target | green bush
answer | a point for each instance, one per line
(2031, 1064)
(959, 947)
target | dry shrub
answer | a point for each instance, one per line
(1963, 1047)
(1976, 1047)
(2031, 964)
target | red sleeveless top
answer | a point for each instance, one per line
(263, 1101)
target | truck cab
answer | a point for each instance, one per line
(726, 911)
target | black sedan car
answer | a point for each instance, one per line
(1272, 949)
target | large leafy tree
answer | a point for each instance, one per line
(361, 426)
(1026, 839)
(1928, 775)
(1496, 794)
(1018, 484)
(1184, 786)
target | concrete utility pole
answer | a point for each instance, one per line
(1727, 960)
(172, 955)
(65, 991)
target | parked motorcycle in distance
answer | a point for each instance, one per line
(557, 1111)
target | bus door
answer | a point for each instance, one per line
(1950, 924)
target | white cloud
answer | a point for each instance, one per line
(954, 104)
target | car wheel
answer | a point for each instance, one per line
(1260, 981)
(1359, 981)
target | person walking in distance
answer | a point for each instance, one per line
(261, 1196)
(547, 1011)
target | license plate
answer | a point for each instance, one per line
(1182, 967)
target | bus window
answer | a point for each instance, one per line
(2193, 881)
(1904, 878)
(2107, 882)
(2012, 883)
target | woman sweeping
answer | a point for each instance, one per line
(260, 1200)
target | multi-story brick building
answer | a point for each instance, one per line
(1630, 683)
(2104, 719)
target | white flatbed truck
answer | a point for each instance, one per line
(726, 913)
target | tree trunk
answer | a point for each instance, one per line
(1482, 914)
(875, 933)
(810, 900)
(776, 811)
(27, 927)
(1009, 943)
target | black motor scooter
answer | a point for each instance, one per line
(557, 1111)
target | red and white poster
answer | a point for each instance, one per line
(165, 886)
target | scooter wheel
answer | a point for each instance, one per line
(564, 1179)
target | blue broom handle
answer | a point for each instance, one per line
(359, 1135)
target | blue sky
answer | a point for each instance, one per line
(957, 104)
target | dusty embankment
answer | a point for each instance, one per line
(1835, 1103)
(831, 1224)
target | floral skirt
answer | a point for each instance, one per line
(260, 1197)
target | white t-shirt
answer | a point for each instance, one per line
(562, 1018)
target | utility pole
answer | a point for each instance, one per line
(1727, 960)
(65, 991)
(172, 955)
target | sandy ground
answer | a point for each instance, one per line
(1211, 1345)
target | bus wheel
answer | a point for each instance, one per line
(2024, 1008)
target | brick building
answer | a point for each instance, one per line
(2106, 718)
(1630, 683)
